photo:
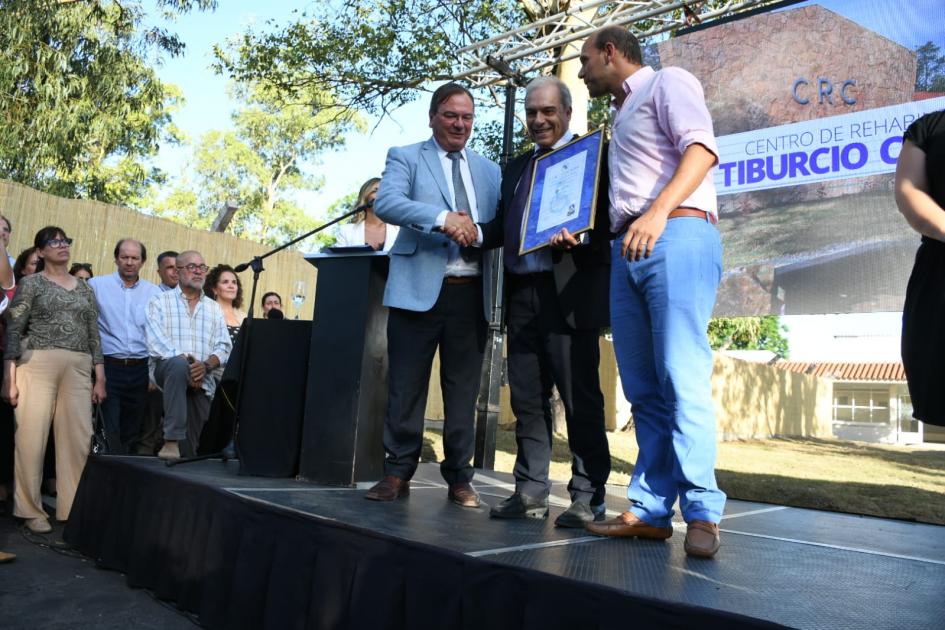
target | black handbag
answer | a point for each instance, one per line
(99, 445)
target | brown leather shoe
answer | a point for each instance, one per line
(464, 494)
(388, 489)
(702, 539)
(630, 526)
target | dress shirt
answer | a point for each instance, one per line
(540, 260)
(352, 235)
(455, 265)
(122, 312)
(172, 330)
(163, 287)
(664, 112)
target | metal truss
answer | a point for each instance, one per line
(528, 49)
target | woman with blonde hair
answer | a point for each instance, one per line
(366, 228)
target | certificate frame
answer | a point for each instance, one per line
(582, 152)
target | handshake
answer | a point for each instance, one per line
(460, 228)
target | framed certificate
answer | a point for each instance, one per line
(563, 192)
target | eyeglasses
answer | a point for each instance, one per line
(58, 243)
(194, 268)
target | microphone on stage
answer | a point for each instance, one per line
(366, 206)
(275, 313)
(241, 267)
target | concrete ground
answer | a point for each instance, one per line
(51, 586)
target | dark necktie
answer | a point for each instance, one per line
(516, 211)
(469, 254)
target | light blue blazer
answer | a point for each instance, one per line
(412, 194)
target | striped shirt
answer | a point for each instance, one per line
(172, 330)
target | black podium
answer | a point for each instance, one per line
(346, 397)
(273, 399)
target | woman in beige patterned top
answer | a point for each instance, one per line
(50, 382)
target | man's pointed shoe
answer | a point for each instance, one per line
(388, 489)
(580, 514)
(463, 494)
(702, 539)
(520, 506)
(629, 525)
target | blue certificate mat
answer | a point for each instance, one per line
(563, 192)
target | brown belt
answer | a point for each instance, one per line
(677, 214)
(120, 361)
(459, 279)
(692, 212)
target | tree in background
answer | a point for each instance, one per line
(261, 164)
(749, 333)
(82, 109)
(930, 68)
(377, 55)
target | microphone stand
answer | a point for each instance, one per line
(256, 264)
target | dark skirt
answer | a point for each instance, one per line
(923, 333)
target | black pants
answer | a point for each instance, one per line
(544, 351)
(126, 388)
(456, 326)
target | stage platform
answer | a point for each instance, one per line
(254, 552)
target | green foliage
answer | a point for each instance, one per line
(82, 109)
(748, 333)
(488, 140)
(930, 68)
(375, 55)
(261, 165)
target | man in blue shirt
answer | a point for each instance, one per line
(122, 301)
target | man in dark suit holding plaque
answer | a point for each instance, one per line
(556, 304)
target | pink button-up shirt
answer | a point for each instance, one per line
(664, 113)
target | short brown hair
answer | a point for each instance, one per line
(443, 94)
(623, 40)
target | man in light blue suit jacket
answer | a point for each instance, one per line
(437, 292)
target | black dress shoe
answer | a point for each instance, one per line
(579, 514)
(520, 506)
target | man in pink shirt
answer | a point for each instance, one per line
(666, 266)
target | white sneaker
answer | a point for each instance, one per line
(170, 450)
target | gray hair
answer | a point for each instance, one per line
(547, 79)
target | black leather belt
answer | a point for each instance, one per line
(120, 361)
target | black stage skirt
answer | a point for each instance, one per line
(923, 333)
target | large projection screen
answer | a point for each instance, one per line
(810, 101)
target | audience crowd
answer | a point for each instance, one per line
(145, 358)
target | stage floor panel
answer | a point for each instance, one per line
(801, 568)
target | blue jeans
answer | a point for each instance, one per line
(660, 308)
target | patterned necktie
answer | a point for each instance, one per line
(469, 254)
(516, 212)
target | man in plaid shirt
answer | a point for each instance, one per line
(187, 341)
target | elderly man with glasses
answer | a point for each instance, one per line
(187, 339)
